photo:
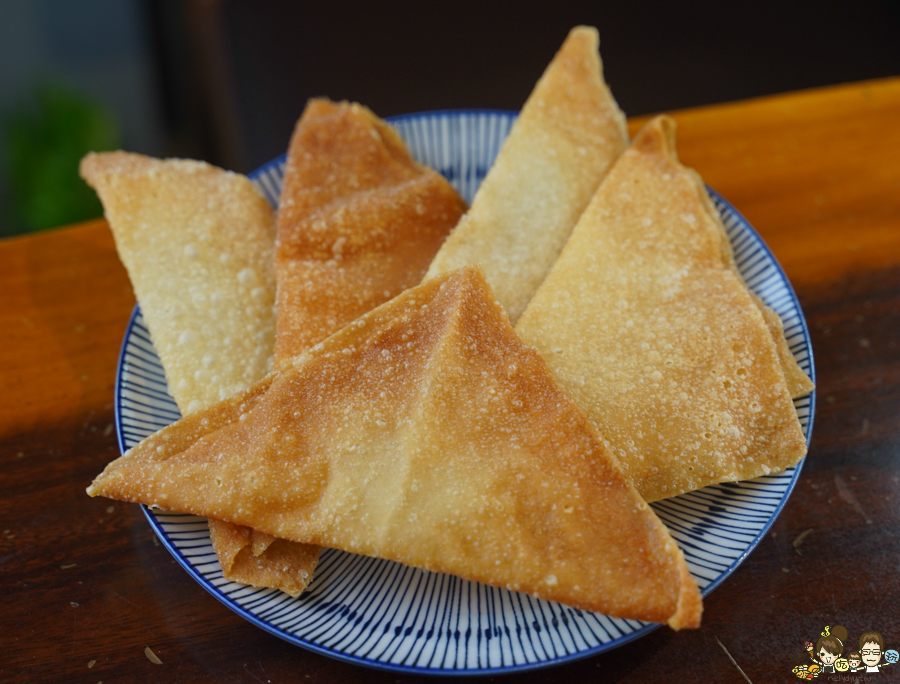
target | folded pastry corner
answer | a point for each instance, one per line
(427, 433)
(799, 383)
(569, 133)
(261, 560)
(646, 322)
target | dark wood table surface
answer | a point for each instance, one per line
(86, 587)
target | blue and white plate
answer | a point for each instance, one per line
(387, 615)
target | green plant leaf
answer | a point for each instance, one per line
(44, 142)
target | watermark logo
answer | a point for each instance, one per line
(834, 654)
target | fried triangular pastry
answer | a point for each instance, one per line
(426, 433)
(198, 244)
(567, 136)
(646, 323)
(358, 222)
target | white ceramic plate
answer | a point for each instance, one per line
(384, 614)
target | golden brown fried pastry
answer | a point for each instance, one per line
(568, 135)
(425, 432)
(261, 560)
(646, 323)
(358, 222)
(198, 245)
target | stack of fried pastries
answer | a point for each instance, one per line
(197, 242)
(359, 222)
(425, 432)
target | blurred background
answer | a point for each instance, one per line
(225, 80)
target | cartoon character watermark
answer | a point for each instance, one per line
(827, 654)
(871, 648)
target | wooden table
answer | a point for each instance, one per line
(86, 587)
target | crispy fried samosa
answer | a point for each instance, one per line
(198, 243)
(425, 432)
(646, 323)
(567, 136)
(358, 222)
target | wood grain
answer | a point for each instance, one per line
(66, 300)
(814, 172)
(83, 580)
